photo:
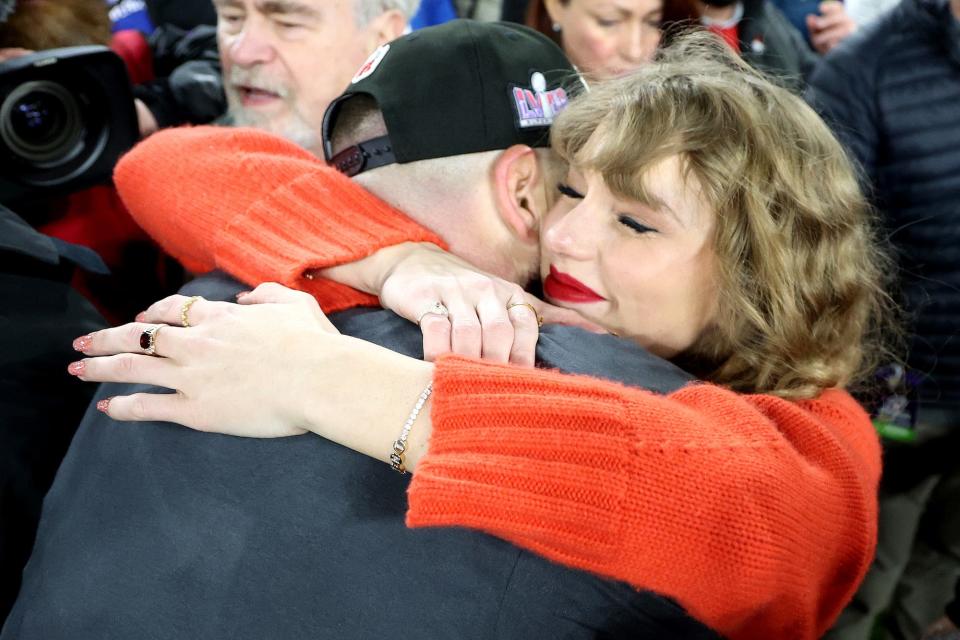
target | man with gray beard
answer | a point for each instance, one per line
(284, 61)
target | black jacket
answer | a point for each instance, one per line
(769, 42)
(189, 87)
(154, 530)
(892, 94)
(40, 404)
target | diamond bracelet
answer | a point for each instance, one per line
(400, 444)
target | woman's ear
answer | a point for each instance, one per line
(518, 191)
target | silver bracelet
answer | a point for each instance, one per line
(400, 444)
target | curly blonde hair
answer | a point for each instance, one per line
(802, 302)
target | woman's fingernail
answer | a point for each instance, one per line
(104, 404)
(243, 293)
(141, 317)
(82, 343)
(77, 368)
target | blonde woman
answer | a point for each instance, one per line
(708, 216)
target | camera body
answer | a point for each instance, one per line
(66, 117)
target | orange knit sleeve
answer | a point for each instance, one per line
(756, 514)
(257, 207)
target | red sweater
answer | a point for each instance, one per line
(755, 513)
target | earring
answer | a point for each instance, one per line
(556, 27)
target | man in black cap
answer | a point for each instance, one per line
(159, 531)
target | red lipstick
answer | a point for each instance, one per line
(564, 288)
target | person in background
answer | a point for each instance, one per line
(175, 78)
(822, 23)
(278, 66)
(606, 38)
(39, 406)
(891, 92)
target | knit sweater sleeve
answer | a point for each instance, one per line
(755, 513)
(257, 207)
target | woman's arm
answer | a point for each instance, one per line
(755, 513)
(257, 207)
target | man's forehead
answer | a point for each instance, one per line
(300, 7)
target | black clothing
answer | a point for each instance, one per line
(156, 531)
(40, 403)
(892, 94)
(184, 14)
(770, 43)
(189, 84)
(953, 609)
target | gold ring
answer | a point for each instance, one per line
(438, 309)
(529, 306)
(148, 339)
(185, 309)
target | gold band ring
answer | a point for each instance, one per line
(529, 306)
(185, 309)
(437, 309)
(148, 339)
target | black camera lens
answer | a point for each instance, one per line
(41, 122)
(38, 119)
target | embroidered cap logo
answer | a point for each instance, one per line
(536, 107)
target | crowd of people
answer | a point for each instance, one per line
(651, 304)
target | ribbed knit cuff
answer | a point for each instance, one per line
(316, 220)
(491, 466)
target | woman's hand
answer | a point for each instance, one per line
(271, 366)
(480, 315)
(242, 370)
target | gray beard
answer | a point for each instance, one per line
(296, 130)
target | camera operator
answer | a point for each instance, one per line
(176, 79)
(41, 404)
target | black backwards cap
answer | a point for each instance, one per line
(457, 88)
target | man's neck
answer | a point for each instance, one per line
(955, 7)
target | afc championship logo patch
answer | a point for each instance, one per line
(536, 107)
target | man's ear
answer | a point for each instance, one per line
(386, 27)
(519, 191)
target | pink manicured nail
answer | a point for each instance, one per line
(77, 368)
(104, 404)
(83, 343)
(243, 293)
(141, 317)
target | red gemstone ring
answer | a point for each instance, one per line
(148, 339)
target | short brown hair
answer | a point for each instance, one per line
(802, 276)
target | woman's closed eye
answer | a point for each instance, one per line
(634, 225)
(569, 191)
